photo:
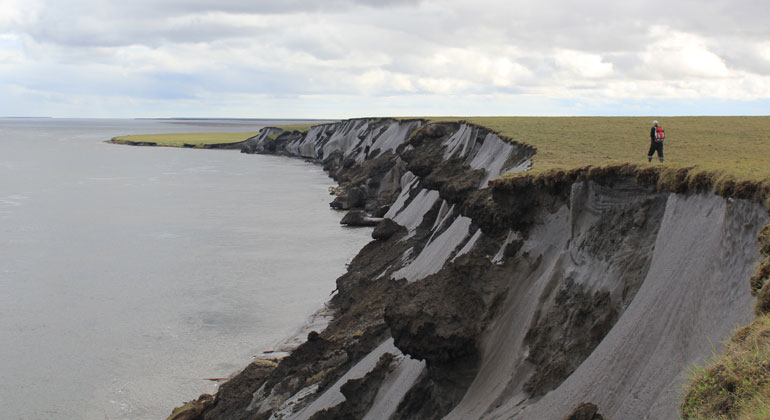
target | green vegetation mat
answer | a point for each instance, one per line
(186, 139)
(736, 385)
(200, 139)
(299, 127)
(735, 146)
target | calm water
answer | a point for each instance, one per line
(128, 275)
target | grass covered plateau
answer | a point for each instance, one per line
(185, 139)
(738, 146)
(298, 127)
(200, 140)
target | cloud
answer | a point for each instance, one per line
(674, 54)
(96, 23)
(582, 65)
(547, 52)
(10, 50)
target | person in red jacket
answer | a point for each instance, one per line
(656, 141)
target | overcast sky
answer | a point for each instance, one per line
(352, 58)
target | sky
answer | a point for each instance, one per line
(358, 58)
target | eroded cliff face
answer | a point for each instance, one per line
(486, 302)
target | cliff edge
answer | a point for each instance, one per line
(519, 299)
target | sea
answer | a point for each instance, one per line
(131, 276)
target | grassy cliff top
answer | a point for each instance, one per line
(197, 139)
(299, 127)
(730, 155)
(190, 139)
(723, 149)
(739, 146)
(735, 146)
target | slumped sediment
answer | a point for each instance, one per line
(477, 302)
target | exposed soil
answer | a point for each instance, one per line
(359, 394)
(585, 411)
(444, 317)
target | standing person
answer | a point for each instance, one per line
(656, 141)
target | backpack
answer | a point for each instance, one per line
(660, 135)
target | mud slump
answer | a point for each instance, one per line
(564, 300)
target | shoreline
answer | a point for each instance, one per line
(317, 321)
(232, 145)
(411, 277)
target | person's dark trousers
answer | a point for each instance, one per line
(655, 146)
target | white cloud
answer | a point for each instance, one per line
(584, 65)
(16, 12)
(678, 54)
(11, 51)
(442, 85)
(374, 82)
(455, 70)
(184, 53)
(764, 50)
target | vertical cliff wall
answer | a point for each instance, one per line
(689, 264)
(493, 302)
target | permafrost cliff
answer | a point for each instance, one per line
(515, 300)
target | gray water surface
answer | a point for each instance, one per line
(129, 275)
